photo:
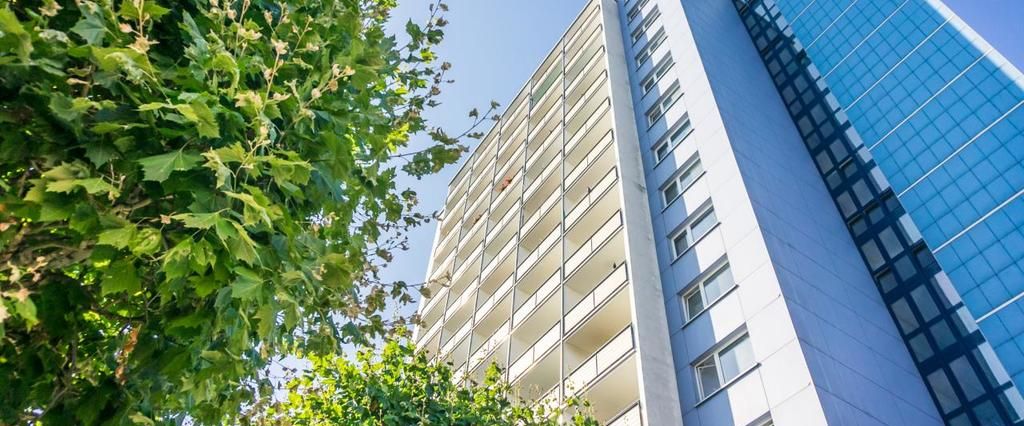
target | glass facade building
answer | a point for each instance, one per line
(747, 212)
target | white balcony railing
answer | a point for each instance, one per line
(629, 417)
(434, 328)
(592, 196)
(468, 294)
(542, 248)
(469, 262)
(595, 298)
(510, 189)
(536, 298)
(550, 115)
(539, 349)
(595, 118)
(591, 157)
(535, 217)
(509, 215)
(496, 260)
(548, 171)
(535, 156)
(606, 231)
(485, 308)
(457, 337)
(493, 341)
(598, 363)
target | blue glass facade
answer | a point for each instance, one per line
(941, 114)
(917, 128)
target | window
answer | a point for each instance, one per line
(692, 232)
(648, 50)
(707, 292)
(679, 132)
(667, 100)
(679, 183)
(645, 24)
(659, 71)
(721, 367)
(635, 10)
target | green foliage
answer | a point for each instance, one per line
(192, 188)
(399, 386)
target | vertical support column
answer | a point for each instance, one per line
(659, 394)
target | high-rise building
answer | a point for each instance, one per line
(747, 212)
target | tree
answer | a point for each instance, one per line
(399, 386)
(194, 188)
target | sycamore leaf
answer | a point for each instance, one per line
(247, 284)
(198, 220)
(120, 276)
(159, 167)
(204, 118)
(150, 10)
(91, 186)
(10, 27)
(91, 27)
(118, 237)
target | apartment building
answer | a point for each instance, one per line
(679, 219)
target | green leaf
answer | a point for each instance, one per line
(146, 241)
(200, 114)
(120, 277)
(198, 220)
(150, 10)
(118, 237)
(159, 167)
(91, 186)
(10, 29)
(91, 27)
(247, 284)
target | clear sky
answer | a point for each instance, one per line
(495, 45)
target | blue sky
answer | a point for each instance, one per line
(495, 45)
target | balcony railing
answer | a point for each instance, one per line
(580, 25)
(496, 260)
(485, 308)
(629, 417)
(548, 171)
(590, 124)
(509, 215)
(598, 363)
(604, 233)
(592, 196)
(466, 264)
(540, 348)
(535, 156)
(591, 91)
(510, 189)
(468, 294)
(535, 299)
(591, 158)
(589, 63)
(535, 216)
(602, 292)
(493, 341)
(551, 114)
(542, 248)
(427, 335)
(457, 337)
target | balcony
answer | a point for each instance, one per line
(500, 264)
(429, 339)
(458, 336)
(461, 301)
(534, 301)
(584, 72)
(540, 347)
(586, 96)
(544, 214)
(453, 214)
(468, 266)
(547, 91)
(489, 344)
(600, 198)
(544, 151)
(583, 113)
(607, 230)
(508, 191)
(543, 125)
(630, 417)
(531, 259)
(548, 180)
(592, 130)
(601, 293)
(491, 297)
(609, 355)
(582, 29)
(498, 228)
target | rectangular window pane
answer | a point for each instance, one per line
(718, 283)
(694, 304)
(661, 152)
(707, 375)
(736, 359)
(671, 192)
(703, 224)
(680, 244)
(690, 175)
